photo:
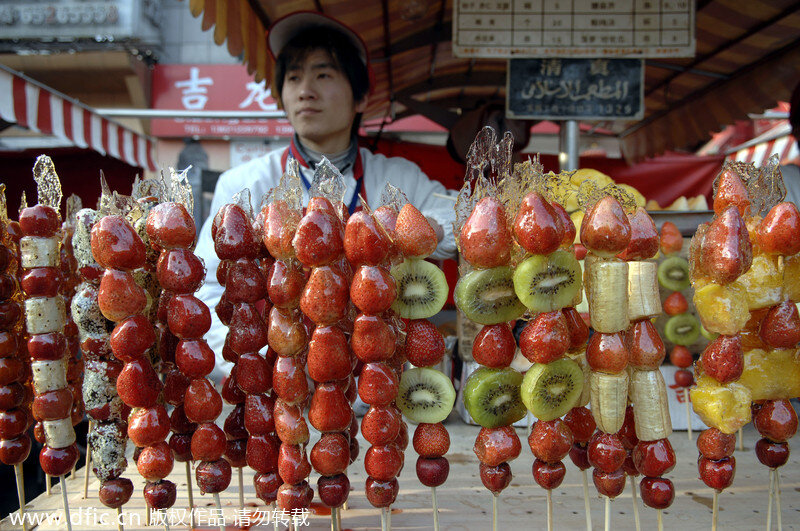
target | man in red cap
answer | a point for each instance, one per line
(322, 82)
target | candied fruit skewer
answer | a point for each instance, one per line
(171, 228)
(237, 244)
(118, 248)
(45, 320)
(107, 437)
(14, 449)
(720, 253)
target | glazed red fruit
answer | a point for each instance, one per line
(431, 440)
(550, 441)
(266, 486)
(581, 423)
(730, 190)
(364, 241)
(567, 224)
(180, 271)
(319, 239)
(671, 238)
(328, 355)
(331, 454)
(293, 466)
(627, 433)
(629, 467)
(119, 296)
(654, 458)
(644, 237)
(381, 493)
(723, 359)
(208, 442)
(155, 462)
(12, 395)
(485, 238)
(194, 358)
(11, 370)
(681, 357)
(234, 423)
(287, 333)
(181, 445)
(605, 229)
(36, 282)
(289, 379)
(546, 338)
(15, 451)
(537, 227)
(329, 411)
(188, 317)
(116, 245)
(606, 452)
(779, 231)
(245, 282)
(657, 493)
(232, 233)
(324, 299)
(494, 346)
(175, 385)
(52, 405)
(717, 474)
(609, 484)
(381, 425)
(495, 478)
(377, 384)
(578, 329)
(132, 337)
(262, 452)
(772, 454)
(675, 304)
(39, 220)
(607, 353)
(115, 492)
(289, 423)
(147, 426)
(781, 327)
(258, 413)
(776, 420)
(383, 462)
(372, 339)
(373, 289)
(202, 402)
(138, 384)
(424, 343)
(726, 251)
(285, 283)
(548, 475)
(716, 445)
(684, 378)
(160, 494)
(294, 497)
(333, 490)
(213, 476)
(169, 225)
(432, 472)
(254, 373)
(645, 348)
(497, 445)
(415, 236)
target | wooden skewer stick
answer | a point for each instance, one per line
(389, 517)
(339, 517)
(21, 494)
(272, 507)
(443, 196)
(778, 499)
(635, 502)
(660, 521)
(147, 516)
(241, 488)
(74, 469)
(435, 509)
(119, 519)
(715, 511)
(741, 441)
(688, 412)
(335, 519)
(47, 483)
(384, 519)
(586, 505)
(219, 508)
(771, 494)
(65, 501)
(549, 510)
(191, 495)
(86, 468)
(494, 512)
(608, 514)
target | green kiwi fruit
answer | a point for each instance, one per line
(673, 273)
(425, 395)
(682, 329)
(545, 283)
(487, 296)
(421, 289)
(549, 390)
(492, 397)
(711, 336)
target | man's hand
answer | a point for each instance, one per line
(436, 228)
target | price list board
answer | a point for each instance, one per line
(573, 28)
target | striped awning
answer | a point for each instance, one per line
(34, 106)
(777, 141)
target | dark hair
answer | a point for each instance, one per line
(794, 112)
(345, 55)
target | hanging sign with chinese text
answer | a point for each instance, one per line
(573, 28)
(213, 88)
(575, 89)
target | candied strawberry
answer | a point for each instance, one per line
(497, 445)
(730, 191)
(365, 242)
(671, 238)
(329, 411)
(485, 237)
(424, 343)
(372, 338)
(546, 338)
(431, 440)
(415, 236)
(319, 239)
(373, 289)
(494, 346)
(644, 237)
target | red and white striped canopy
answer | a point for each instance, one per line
(32, 105)
(777, 141)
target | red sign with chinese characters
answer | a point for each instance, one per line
(212, 88)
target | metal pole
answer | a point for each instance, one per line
(569, 135)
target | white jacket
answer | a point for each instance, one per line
(263, 173)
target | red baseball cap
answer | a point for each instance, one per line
(285, 28)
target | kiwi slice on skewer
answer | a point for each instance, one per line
(487, 296)
(549, 390)
(421, 289)
(545, 283)
(673, 273)
(682, 329)
(492, 397)
(425, 395)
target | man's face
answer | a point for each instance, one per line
(319, 102)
